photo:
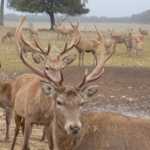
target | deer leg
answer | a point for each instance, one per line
(82, 58)
(22, 126)
(44, 133)
(49, 137)
(95, 57)
(8, 121)
(79, 59)
(18, 124)
(27, 133)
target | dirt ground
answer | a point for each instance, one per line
(123, 90)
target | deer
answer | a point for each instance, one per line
(83, 45)
(60, 103)
(62, 29)
(5, 94)
(9, 35)
(73, 128)
(8, 90)
(135, 43)
(36, 88)
(105, 131)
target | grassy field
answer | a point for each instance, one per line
(11, 62)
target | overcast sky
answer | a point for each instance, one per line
(115, 8)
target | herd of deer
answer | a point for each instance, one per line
(42, 98)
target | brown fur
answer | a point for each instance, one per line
(108, 131)
(8, 90)
(63, 30)
(31, 105)
(84, 45)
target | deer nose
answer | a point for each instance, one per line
(74, 129)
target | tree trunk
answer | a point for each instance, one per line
(2, 13)
(52, 20)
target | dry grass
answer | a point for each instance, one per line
(11, 62)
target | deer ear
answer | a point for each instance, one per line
(48, 89)
(89, 91)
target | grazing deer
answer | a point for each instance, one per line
(9, 35)
(83, 45)
(32, 103)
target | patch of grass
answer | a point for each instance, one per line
(11, 62)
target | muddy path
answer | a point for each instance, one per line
(122, 90)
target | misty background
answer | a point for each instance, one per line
(126, 11)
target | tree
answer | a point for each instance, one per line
(2, 13)
(71, 7)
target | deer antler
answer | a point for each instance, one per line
(100, 36)
(50, 74)
(41, 49)
(98, 71)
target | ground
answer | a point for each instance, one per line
(122, 90)
(124, 87)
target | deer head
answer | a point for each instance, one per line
(68, 99)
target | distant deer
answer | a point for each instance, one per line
(84, 45)
(135, 43)
(63, 30)
(8, 36)
(143, 32)
(34, 97)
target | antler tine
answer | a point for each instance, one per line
(28, 44)
(98, 71)
(41, 49)
(65, 48)
(100, 36)
(19, 38)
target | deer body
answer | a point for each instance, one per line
(9, 35)
(8, 91)
(84, 45)
(63, 30)
(31, 106)
(107, 131)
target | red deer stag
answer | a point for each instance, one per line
(47, 100)
(33, 104)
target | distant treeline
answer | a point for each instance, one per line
(143, 17)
